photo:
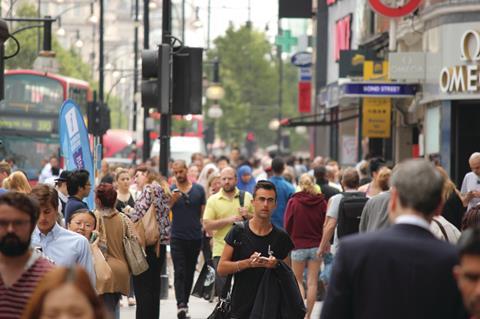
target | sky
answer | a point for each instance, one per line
(263, 13)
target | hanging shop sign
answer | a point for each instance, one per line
(394, 12)
(464, 78)
(351, 62)
(375, 70)
(407, 66)
(376, 117)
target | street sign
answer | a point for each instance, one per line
(385, 10)
(305, 97)
(305, 74)
(378, 90)
(302, 59)
(285, 40)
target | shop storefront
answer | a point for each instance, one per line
(451, 96)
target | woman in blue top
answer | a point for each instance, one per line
(245, 180)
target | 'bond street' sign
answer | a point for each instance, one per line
(378, 90)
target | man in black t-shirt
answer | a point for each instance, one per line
(249, 251)
(187, 204)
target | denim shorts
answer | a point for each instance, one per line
(305, 254)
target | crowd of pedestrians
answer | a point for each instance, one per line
(376, 241)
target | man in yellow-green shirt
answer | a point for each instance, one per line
(222, 210)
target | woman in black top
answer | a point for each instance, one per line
(125, 201)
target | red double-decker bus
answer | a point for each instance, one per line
(29, 115)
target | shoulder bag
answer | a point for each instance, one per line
(134, 252)
(147, 227)
(103, 272)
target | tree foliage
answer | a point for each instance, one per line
(249, 73)
(70, 62)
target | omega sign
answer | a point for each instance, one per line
(464, 78)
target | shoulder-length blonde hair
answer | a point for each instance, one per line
(448, 186)
(307, 184)
(17, 182)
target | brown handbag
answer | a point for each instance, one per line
(147, 227)
(103, 272)
(134, 252)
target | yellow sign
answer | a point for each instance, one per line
(376, 117)
(375, 70)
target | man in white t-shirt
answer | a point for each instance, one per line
(471, 183)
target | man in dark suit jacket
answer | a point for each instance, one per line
(402, 271)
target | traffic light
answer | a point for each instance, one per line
(104, 119)
(93, 117)
(187, 81)
(156, 78)
(98, 117)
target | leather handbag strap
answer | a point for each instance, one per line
(442, 229)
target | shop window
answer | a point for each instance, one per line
(432, 130)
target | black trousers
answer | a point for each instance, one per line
(147, 285)
(111, 300)
(184, 257)
(219, 280)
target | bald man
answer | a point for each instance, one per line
(222, 210)
(471, 183)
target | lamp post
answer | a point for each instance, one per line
(135, 68)
(146, 45)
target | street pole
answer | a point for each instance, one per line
(165, 119)
(135, 69)
(101, 57)
(183, 21)
(280, 91)
(208, 24)
(101, 79)
(4, 34)
(146, 45)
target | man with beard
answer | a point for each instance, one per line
(63, 247)
(467, 273)
(222, 210)
(21, 268)
(471, 183)
(187, 205)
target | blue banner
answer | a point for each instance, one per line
(74, 143)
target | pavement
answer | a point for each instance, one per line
(199, 309)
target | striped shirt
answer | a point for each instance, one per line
(13, 299)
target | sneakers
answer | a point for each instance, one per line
(182, 313)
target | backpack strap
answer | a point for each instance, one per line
(241, 198)
(239, 228)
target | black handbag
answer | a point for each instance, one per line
(224, 306)
(205, 285)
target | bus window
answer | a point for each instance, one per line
(79, 96)
(32, 93)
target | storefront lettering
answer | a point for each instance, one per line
(463, 78)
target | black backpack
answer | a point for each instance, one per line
(349, 213)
